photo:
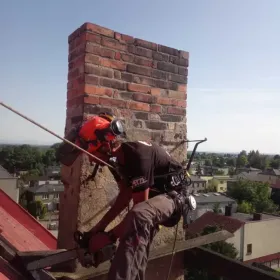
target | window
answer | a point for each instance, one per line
(45, 196)
(249, 249)
(55, 195)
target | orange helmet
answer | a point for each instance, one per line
(99, 130)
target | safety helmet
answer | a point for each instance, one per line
(107, 116)
(101, 129)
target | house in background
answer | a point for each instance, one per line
(198, 184)
(220, 180)
(256, 237)
(208, 201)
(9, 184)
(48, 192)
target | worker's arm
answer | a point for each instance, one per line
(137, 198)
(122, 201)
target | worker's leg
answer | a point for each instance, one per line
(143, 265)
(140, 223)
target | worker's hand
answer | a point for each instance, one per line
(99, 241)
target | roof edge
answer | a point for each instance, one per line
(27, 220)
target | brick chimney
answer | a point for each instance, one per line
(141, 82)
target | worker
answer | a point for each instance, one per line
(157, 201)
(143, 174)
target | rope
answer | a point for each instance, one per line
(56, 135)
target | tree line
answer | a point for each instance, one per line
(252, 159)
(33, 159)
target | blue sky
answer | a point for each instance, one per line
(234, 73)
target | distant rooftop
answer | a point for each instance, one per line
(248, 217)
(47, 188)
(212, 197)
(4, 174)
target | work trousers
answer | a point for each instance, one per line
(141, 225)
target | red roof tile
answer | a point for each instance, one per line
(21, 229)
(211, 219)
(264, 259)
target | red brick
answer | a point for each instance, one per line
(112, 102)
(73, 74)
(179, 61)
(143, 61)
(73, 93)
(89, 37)
(155, 108)
(75, 101)
(176, 111)
(140, 51)
(90, 58)
(144, 80)
(177, 78)
(138, 88)
(145, 44)
(159, 74)
(91, 99)
(138, 106)
(113, 64)
(156, 91)
(112, 43)
(98, 29)
(127, 57)
(100, 51)
(118, 56)
(184, 54)
(168, 50)
(156, 125)
(74, 34)
(164, 101)
(98, 90)
(160, 56)
(180, 103)
(168, 67)
(139, 70)
(183, 71)
(142, 97)
(111, 83)
(124, 38)
(89, 79)
(127, 77)
(117, 74)
(177, 94)
(128, 39)
(182, 88)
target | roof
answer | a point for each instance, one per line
(257, 177)
(249, 218)
(211, 219)
(211, 197)
(264, 259)
(22, 230)
(4, 174)
(47, 188)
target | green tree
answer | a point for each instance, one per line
(216, 208)
(231, 171)
(255, 193)
(246, 207)
(231, 161)
(37, 209)
(241, 161)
